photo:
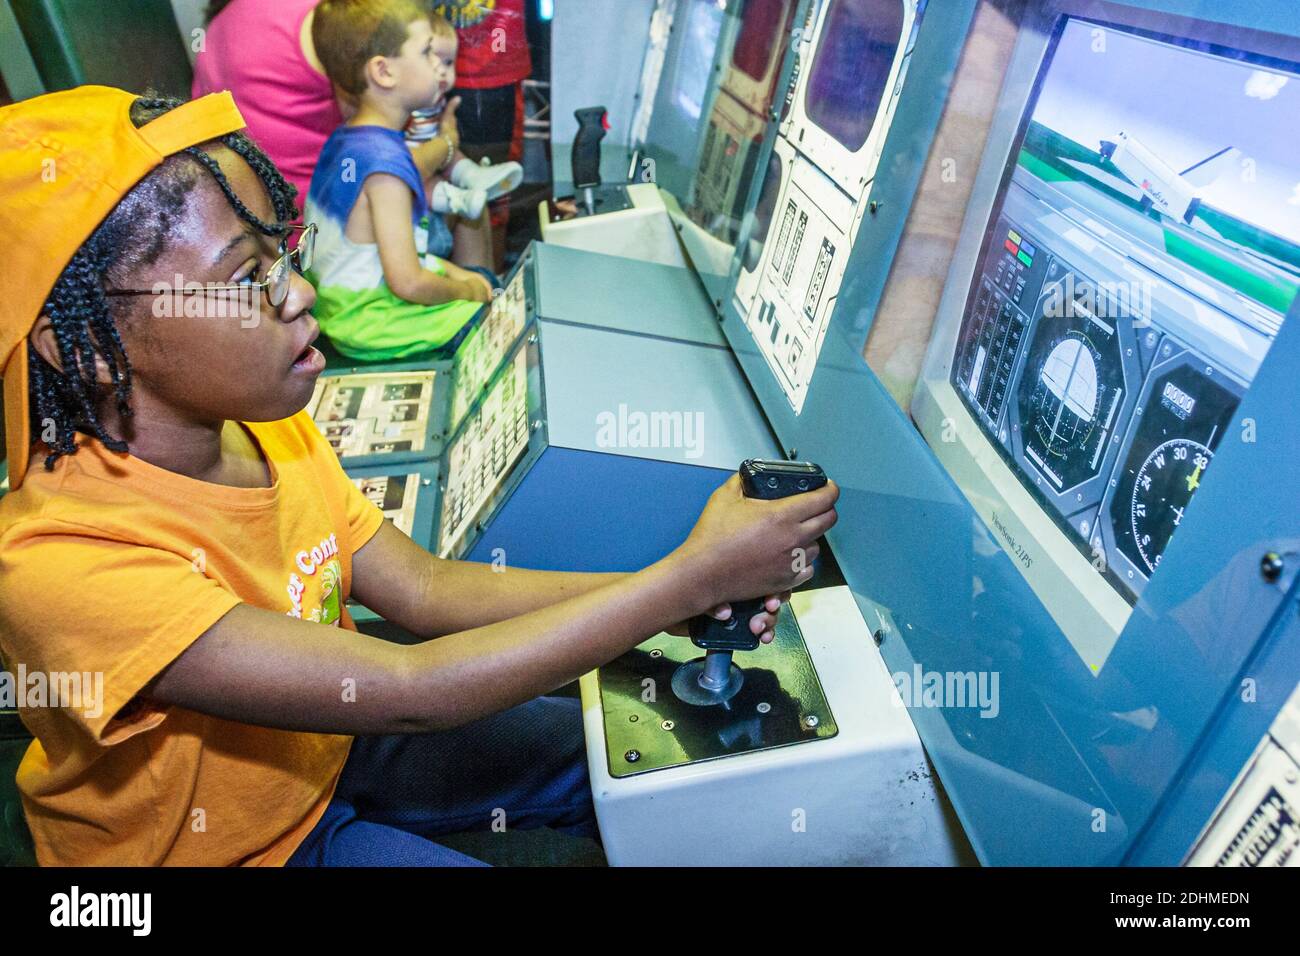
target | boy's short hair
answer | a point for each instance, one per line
(347, 34)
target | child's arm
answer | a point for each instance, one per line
(389, 205)
(435, 155)
(264, 668)
(434, 605)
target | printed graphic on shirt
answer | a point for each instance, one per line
(465, 13)
(322, 563)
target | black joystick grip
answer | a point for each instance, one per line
(592, 124)
(759, 479)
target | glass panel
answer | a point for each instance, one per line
(762, 25)
(703, 24)
(851, 67)
(732, 142)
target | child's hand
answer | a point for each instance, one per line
(477, 288)
(763, 624)
(742, 547)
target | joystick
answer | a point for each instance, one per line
(593, 122)
(714, 678)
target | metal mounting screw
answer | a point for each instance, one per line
(874, 205)
(632, 756)
(634, 718)
(667, 725)
(793, 454)
(764, 707)
(811, 721)
(879, 636)
(1270, 565)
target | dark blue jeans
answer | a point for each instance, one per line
(524, 768)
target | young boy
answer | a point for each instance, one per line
(383, 291)
(181, 530)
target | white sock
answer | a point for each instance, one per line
(494, 180)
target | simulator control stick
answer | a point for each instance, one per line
(714, 679)
(593, 122)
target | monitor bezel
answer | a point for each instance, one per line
(1090, 611)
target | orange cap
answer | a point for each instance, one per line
(66, 159)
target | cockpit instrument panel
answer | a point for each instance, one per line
(1141, 252)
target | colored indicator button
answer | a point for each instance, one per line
(1029, 248)
(1027, 260)
(1014, 236)
(1012, 247)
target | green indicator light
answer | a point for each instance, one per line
(1027, 260)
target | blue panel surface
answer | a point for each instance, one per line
(586, 511)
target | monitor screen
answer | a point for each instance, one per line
(1142, 251)
(851, 67)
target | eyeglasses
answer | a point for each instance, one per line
(277, 281)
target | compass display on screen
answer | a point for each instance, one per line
(1186, 409)
(1162, 491)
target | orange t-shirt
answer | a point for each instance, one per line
(111, 566)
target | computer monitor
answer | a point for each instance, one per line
(1128, 258)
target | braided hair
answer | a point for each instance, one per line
(133, 235)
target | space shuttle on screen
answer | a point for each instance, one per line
(1159, 184)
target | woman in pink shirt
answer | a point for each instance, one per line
(262, 53)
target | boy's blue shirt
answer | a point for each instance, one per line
(353, 153)
(356, 309)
